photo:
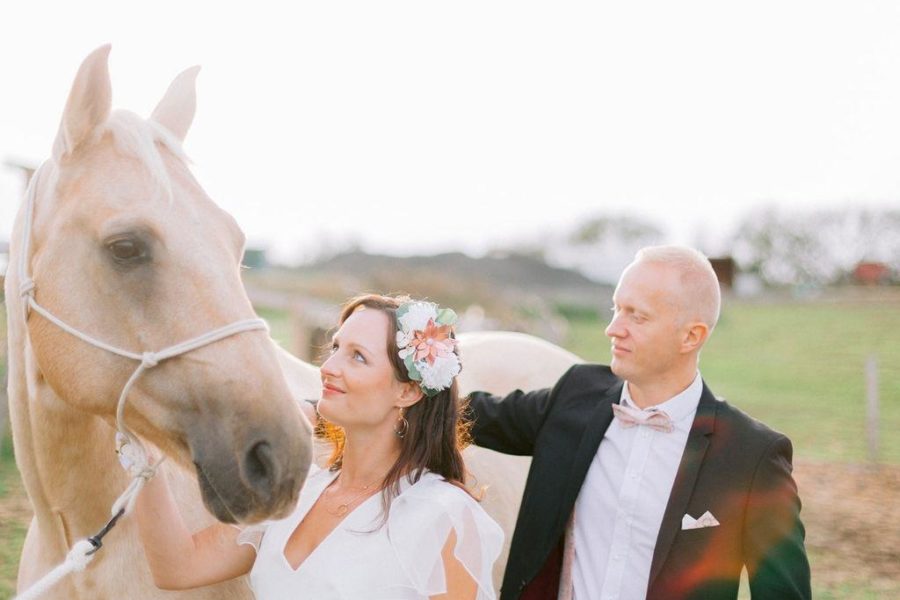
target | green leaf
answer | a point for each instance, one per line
(403, 309)
(446, 316)
(411, 368)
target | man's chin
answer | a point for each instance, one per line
(619, 370)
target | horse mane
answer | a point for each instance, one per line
(143, 139)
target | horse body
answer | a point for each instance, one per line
(126, 247)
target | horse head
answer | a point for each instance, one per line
(128, 248)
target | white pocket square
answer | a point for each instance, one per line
(706, 520)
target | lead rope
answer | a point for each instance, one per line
(131, 451)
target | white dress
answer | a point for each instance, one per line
(363, 559)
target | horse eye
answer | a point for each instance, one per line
(126, 250)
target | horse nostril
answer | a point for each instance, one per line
(261, 469)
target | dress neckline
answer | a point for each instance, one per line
(304, 509)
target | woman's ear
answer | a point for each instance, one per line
(410, 393)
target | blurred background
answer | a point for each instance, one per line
(508, 159)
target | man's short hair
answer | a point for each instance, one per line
(702, 298)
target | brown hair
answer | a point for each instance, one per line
(437, 430)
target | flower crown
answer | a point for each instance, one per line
(426, 346)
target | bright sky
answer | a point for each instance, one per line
(423, 126)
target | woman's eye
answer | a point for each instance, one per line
(359, 357)
(334, 348)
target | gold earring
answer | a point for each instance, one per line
(402, 426)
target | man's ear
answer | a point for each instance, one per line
(410, 393)
(694, 337)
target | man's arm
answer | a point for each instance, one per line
(511, 424)
(773, 533)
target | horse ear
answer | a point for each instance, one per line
(176, 110)
(89, 103)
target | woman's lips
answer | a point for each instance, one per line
(330, 389)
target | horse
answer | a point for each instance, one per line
(127, 246)
(119, 242)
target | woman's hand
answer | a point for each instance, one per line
(177, 558)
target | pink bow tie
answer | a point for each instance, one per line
(629, 417)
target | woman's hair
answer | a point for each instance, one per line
(437, 430)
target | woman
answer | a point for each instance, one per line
(390, 518)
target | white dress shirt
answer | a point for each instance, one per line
(621, 503)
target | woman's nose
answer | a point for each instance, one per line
(329, 367)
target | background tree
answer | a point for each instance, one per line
(816, 247)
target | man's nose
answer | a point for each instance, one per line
(615, 329)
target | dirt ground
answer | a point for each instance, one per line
(851, 512)
(852, 518)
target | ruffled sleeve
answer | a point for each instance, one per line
(419, 524)
(252, 535)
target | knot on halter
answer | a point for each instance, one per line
(26, 292)
(145, 473)
(149, 360)
(26, 288)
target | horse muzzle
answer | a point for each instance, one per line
(260, 480)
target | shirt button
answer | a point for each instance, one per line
(633, 475)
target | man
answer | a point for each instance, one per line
(642, 483)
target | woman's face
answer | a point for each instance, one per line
(360, 389)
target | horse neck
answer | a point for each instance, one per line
(66, 457)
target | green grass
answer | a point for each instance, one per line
(279, 324)
(796, 366)
(12, 531)
(799, 368)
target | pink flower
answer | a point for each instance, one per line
(433, 342)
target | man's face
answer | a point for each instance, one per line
(645, 329)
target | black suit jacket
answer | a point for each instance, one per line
(733, 466)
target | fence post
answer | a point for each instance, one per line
(872, 406)
(300, 332)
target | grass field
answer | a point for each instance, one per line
(799, 368)
(796, 366)
(12, 519)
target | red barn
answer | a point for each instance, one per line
(871, 273)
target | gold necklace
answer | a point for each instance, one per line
(344, 508)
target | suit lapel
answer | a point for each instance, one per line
(685, 479)
(595, 427)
